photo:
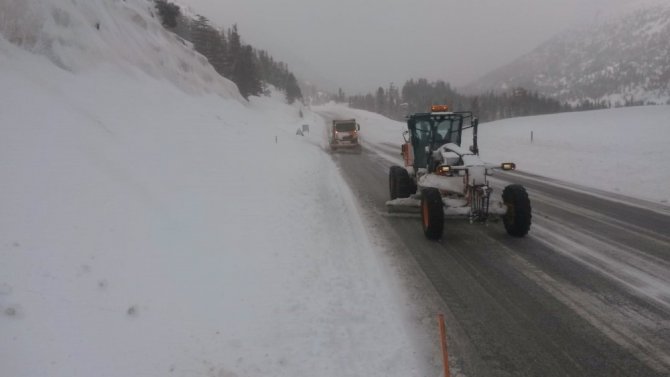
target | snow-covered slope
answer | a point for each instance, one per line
(623, 59)
(79, 36)
(624, 150)
(154, 223)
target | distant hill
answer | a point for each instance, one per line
(625, 60)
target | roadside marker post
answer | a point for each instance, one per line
(443, 344)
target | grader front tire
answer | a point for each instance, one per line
(432, 213)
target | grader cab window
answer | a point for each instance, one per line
(421, 135)
(448, 130)
(434, 131)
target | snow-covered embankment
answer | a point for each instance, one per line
(154, 223)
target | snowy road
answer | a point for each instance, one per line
(586, 293)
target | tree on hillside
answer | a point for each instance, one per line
(244, 73)
(380, 99)
(248, 68)
(204, 36)
(474, 105)
(168, 13)
(183, 28)
(393, 101)
(278, 75)
(234, 45)
(210, 43)
(341, 97)
(292, 89)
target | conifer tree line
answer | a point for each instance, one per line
(419, 95)
(249, 68)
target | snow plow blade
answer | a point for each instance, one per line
(404, 205)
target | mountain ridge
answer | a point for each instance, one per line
(621, 61)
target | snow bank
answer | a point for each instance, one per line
(155, 224)
(621, 150)
(618, 150)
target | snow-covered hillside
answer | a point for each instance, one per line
(623, 151)
(618, 59)
(85, 35)
(154, 223)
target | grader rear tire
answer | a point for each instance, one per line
(400, 184)
(518, 216)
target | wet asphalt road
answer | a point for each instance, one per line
(586, 293)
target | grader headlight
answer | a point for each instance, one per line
(444, 170)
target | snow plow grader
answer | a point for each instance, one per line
(444, 180)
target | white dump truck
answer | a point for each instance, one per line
(344, 134)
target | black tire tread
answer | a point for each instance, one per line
(518, 218)
(400, 184)
(433, 199)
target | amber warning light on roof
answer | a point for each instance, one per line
(439, 108)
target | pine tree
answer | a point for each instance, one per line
(245, 75)
(292, 89)
(168, 13)
(220, 57)
(234, 47)
(202, 32)
(380, 101)
(184, 27)
(393, 110)
(340, 95)
(248, 68)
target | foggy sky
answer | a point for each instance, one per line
(360, 45)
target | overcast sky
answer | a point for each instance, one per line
(362, 44)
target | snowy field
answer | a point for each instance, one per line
(153, 223)
(623, 151)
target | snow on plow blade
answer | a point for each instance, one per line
(404, 205)
(452, 207)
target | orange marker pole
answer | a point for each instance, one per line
(443, 344)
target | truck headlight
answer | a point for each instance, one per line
(508, 166)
